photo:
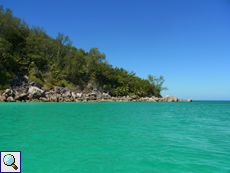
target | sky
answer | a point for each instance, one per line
(186, 41)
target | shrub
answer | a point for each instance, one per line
(5, 86)
(49, 85)
(33, 78)
(60, 84)
(134, 95)
(64, 83)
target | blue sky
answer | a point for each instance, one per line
(186, 41)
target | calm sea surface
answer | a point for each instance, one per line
(118, 137)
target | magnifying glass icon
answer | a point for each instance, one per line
(9, 160)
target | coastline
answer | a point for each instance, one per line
(59, 94)
(25, 90)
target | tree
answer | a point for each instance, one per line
(157, 84)
(56, 61)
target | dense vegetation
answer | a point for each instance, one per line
(56, 62)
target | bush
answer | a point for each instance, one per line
(4, 77)
(60, 84)
(134, 95)
(49, 85)
(33, 78)
(5, 86)
(64, 83)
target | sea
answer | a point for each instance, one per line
(118, 137)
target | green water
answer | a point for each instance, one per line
(118, 137)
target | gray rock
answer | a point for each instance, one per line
(133, 97)
(35, 93)
(78, 95)
(57, 90)
(73, 95)
(90, 86)
(180, 100)
(106, 95)
(189, 100)
(93, 94)
(32, 83)
(8, 91)
(38, 85)
(79, 99)
(53, 97)
(166, 98)
(2, 98)
(65, 90)
(44, 99)
(92, 97)
(67, 94)
(144, 98)
(99, 96)
(20, 90)
(51, 92)
(173, 98)
(156, 99)
(25, 78)
(160, 99)
(18, 79)
(86, 98)
(85, 95)
(128, 99)
(45, 88)
(10, 99)
(21, 97)
(103, 96)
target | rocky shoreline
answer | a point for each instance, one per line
(23, 90)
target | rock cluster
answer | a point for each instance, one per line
(32, 93)
(25, 91)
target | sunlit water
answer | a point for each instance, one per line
(118, 137)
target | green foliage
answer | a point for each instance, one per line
(60, 84)
(34, 71)
(157, 84)
(3, 87)
(57, 62)
(4, 77)
(64, 83)
(49, 85)
(33, 78)
(134, 95)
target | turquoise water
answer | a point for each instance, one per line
(115, 137)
